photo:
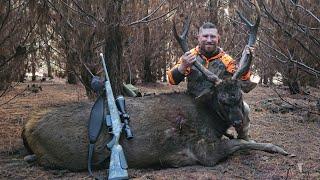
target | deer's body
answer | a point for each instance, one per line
(171, 130)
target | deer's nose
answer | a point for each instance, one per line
(237, 123)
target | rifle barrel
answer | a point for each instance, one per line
(115, 118)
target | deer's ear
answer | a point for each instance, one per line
(247, 86)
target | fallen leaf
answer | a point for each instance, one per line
(300, 167)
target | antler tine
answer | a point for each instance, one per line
(182, 40)
(246, 59)
(186, 27)
(252, 27)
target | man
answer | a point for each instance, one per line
(212, 57)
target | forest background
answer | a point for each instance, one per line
(63, 38)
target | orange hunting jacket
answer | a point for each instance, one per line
(175, 76)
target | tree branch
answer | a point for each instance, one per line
(6, 16)
(306, 10)
(145, 19)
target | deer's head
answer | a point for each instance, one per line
(229, 102)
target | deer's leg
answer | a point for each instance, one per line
(243, 132)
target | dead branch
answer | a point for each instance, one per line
(302, 66)
(304, 29)
(288, 33)
(294, 105)
(146, 18)
(149, 15)
(84, 12)
(15, 96)
(306, 10)
(156, 18)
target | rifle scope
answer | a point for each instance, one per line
(120, 102)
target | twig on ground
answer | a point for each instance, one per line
(14, 97)
(298, 107)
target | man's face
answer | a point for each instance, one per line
(208, 40)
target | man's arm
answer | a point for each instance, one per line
(174, 75)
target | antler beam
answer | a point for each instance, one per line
(246, 59)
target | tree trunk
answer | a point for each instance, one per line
(292, 79)
(33, 68)
(113, 48)
(87, 57)
(148, 76)
(24, 67)
(71, 76)
(164, 74)
(213, 12)
(146, 56)
(48, 62)
(294, 87)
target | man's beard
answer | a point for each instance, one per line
(209, 51)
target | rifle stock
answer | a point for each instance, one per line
(118, 165)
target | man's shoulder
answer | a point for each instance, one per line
(226, 57)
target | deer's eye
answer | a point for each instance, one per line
(229, 99)
(223, 97)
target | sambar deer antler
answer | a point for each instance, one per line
(245, 61)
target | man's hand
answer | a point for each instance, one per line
(187, 61)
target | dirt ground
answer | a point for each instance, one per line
(284, 121)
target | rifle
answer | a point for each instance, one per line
(116, 121)
(118, 164)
